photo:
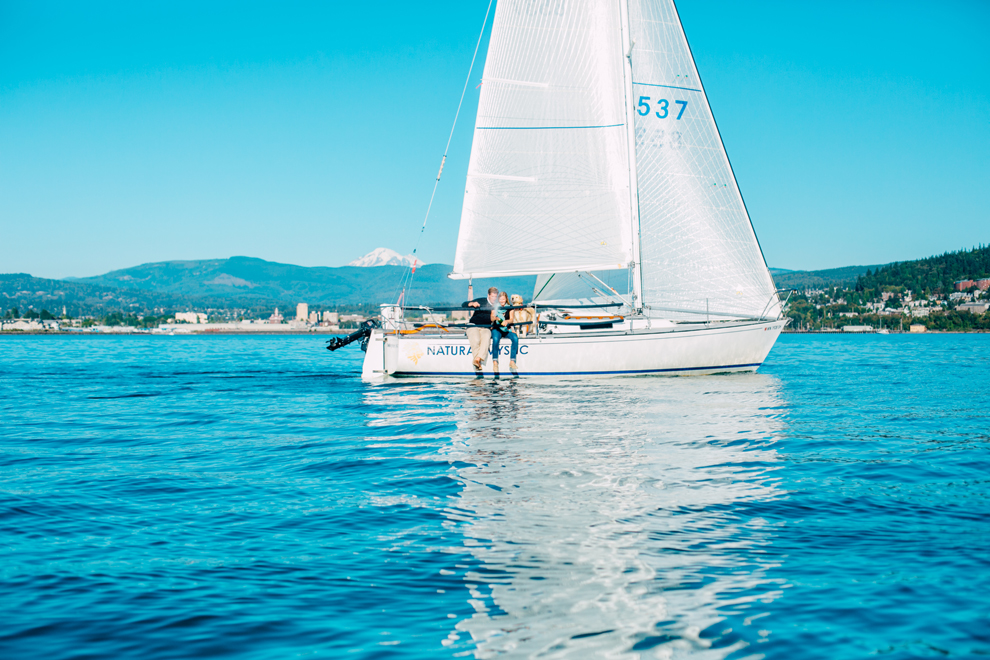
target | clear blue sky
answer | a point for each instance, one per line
(310, 133)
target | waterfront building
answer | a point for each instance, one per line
(302, 312)
(982, 285)
(276, 317)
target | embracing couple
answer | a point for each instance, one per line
(490, 322)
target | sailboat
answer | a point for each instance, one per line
(596, 163)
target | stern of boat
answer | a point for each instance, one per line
(374, 368)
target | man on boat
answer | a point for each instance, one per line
(480, 332)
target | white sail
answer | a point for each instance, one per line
(698, 248)
(548, 180)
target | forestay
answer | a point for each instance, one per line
(548, 180)
(698, 248)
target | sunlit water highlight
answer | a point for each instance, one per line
(249, 497)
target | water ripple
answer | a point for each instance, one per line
(249, 497)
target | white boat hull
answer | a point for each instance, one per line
(675, 349)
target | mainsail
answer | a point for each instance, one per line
(699, 252)
(548, 182)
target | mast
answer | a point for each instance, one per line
(627, 46)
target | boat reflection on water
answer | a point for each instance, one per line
(616, 518)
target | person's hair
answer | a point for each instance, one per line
(492, 289)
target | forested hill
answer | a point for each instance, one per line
(818, 279)
(247, 279)
(932, 275)
(22, 292)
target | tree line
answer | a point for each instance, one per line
(934, 275)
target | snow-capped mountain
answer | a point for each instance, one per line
(384, 257)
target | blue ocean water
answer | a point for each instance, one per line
(250, 497)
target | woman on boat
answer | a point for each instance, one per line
(501, 320)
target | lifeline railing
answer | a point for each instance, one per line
(783, 303)
(534, 306)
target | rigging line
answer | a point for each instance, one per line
(614, 292)
(450, 137)
(544, 286)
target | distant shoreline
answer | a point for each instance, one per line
(276, 333)
(892, 332)
(304, 333)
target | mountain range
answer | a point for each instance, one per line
(241, 283)
(255, 284)
(817, 279)
(248, 279)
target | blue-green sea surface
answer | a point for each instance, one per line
(250, 497)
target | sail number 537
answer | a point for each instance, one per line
(663, 107)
